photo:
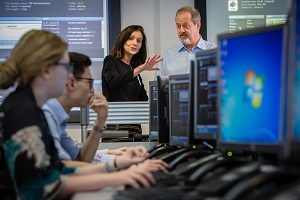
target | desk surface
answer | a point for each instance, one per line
(115, 145)
(107, 194)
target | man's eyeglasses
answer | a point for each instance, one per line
(69, 66)
(90, 80)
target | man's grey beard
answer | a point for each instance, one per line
(186, 41)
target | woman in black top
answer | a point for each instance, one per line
(121, 80)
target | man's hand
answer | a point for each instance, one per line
(118, 152)
(132, 155)
(99, 104)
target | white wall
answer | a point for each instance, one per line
(158, 19)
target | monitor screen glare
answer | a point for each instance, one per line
(252, 80)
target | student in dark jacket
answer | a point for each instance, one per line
(121, 80)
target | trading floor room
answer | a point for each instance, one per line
(147, 99)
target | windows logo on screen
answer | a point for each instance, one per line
(253, 88)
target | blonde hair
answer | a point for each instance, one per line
(35, 50)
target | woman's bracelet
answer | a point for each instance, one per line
(115, 165)
(107, 167)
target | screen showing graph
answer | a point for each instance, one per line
(81, 23)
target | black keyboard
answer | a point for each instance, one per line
(163, 179)
(167, 179)
(218, 184)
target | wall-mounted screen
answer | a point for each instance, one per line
(237, 15)
(81, 23)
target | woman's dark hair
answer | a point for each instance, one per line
(118, 49)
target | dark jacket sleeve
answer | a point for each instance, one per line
(143, 93)
(113, 74)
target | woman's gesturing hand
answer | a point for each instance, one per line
(150, 62)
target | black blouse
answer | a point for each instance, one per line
(118, 83)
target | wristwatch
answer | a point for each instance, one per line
(99, 130)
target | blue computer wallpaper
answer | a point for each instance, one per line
(251, 84)
(297, 77)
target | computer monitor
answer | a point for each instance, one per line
(205, 96)
(294, 81)
(163, 109)
(179, 109)
(251, 92)
(153, 116)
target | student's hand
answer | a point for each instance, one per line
(150, 62)
(135, 176)
(99, 104)
(118, 152)
(133, 155)
(154, 165)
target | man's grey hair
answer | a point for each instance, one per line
(194, 12)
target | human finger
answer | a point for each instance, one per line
(98, 103)
(97, 98)
(133, 183)
(155, 68)
(157, 165)
(144, 180)
(138, 175)
(123, 149)
(139, 150)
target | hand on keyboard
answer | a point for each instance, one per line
(148, 166)
(135, 176)
(154, 165)
(132, 155)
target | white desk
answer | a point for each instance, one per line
(115, 145)
(105, 194)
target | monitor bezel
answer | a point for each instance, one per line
(202, 136)
(162, 109)
(174, 142)
(152, 137)
(293, 143)
(260, 148)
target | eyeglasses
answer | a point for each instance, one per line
(69, 66)
(90, 80)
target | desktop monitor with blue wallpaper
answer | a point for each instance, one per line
(252, 81)
(294, 65)
(296, 62)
